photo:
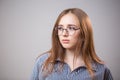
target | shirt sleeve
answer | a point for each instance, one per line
(108, 75)
(35, 72)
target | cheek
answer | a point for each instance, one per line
(60, 39)
(75, 38)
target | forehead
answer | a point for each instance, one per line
(69, 19)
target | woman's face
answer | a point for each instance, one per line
(68, 31)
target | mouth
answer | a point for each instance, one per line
(65, 41)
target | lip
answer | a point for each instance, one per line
(66, 41)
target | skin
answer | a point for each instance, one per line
(70, 19)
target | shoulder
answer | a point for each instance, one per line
(103, 69)
(101, 66)
(42, 58)
(37, 66)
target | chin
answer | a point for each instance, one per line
(67, 46)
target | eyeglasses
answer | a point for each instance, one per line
(70, 30)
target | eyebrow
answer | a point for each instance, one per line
(72, 25)
(68, 25)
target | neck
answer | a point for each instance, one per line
(70, 55)
(73, 61)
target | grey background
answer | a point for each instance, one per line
(26, 26)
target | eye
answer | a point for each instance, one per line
(71, 28)
(60, 28)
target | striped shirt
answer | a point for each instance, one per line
(101, 72)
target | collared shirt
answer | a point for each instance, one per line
(101, 72)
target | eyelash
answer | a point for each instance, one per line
(70, 27)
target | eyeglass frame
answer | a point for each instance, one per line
(66, 29)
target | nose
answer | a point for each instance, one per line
(65, 32)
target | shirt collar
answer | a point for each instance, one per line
(94, 65)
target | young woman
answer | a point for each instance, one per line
(72, 56)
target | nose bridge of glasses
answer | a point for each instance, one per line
(65, 31)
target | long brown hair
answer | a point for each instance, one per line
(85, 45)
